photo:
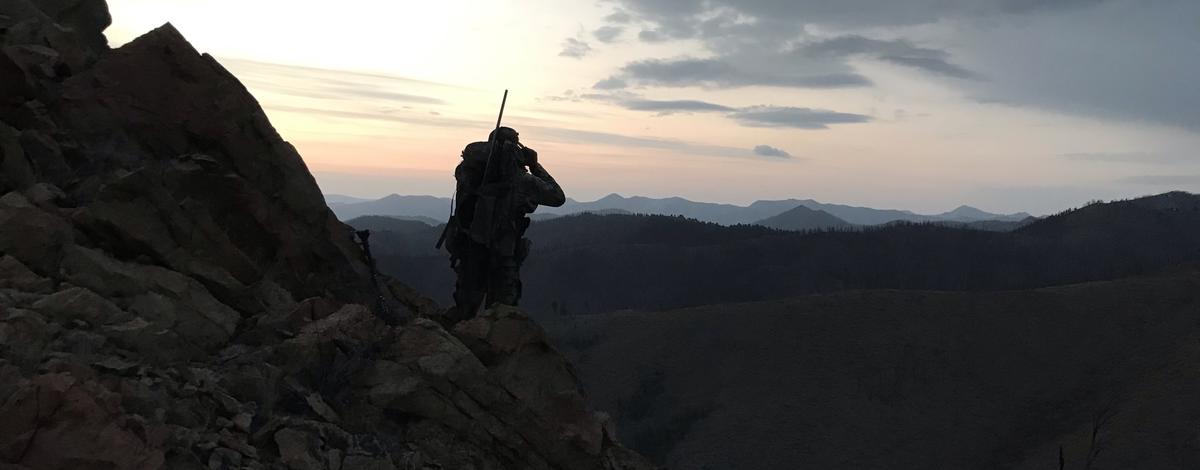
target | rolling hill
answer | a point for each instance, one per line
(906, 379)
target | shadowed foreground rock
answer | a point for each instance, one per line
(174, 292)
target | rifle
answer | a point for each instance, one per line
(487, 167)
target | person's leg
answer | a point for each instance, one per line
(471, 284)
(505, 286)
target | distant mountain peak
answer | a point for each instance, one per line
(804, 218)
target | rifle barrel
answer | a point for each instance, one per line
(502, 102)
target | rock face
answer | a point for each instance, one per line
(174, 292)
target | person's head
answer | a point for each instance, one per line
(504, 134)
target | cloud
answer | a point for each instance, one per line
(799, 118)
(751, 116)
(899, 51)
(379, 115)
(1163, 180)
(610, 83)
(607, 34)
(328, 84)
(533, 132)
(651, 36)
(253, 67)
(721, 73)
(769, 151)
(619, 17)
(1134, 157)
(679, 15)
(566, 135)
(1078, 57)
(382, 95)
(575, 48)
(673, 106)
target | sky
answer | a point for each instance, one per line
(1006, 105)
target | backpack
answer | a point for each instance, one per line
(484, 211)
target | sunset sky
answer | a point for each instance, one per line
(1007, 105)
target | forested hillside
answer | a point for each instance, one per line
(591, 263)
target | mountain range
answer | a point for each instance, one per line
(613, 258)
(438, 208)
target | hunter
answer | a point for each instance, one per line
(499, 182)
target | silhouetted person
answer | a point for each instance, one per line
(485, 238)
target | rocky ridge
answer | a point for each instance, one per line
(175, 293)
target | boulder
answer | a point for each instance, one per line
(15, 275)
(516, 351)
(56, 421)
(86, 18)
(31, 235)
(15, 171)
(78, 303)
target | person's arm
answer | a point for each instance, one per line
(546, 191)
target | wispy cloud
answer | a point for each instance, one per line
(240, 66)
(800, 118)
(726, 73)
(673, 106)
(534, 132)
(1163, 180)
(334, 85)
(750, 116)
(576, 136)
(1134, 157)
(381, 114)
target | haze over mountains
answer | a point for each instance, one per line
(725, 214)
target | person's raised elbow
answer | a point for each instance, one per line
(555, 199)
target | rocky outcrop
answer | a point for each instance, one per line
(174, 292)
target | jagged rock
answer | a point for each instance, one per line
(165, 298)
(56, 421)
(298, 450)
(224, 458)
(44, 195)
(31, 235)
(515, 349)
(79, 303)
(77, 42)
(251, 184)
(24, 336)
(15, 169)
(367, 463)
(87, 18)
(15, 275)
